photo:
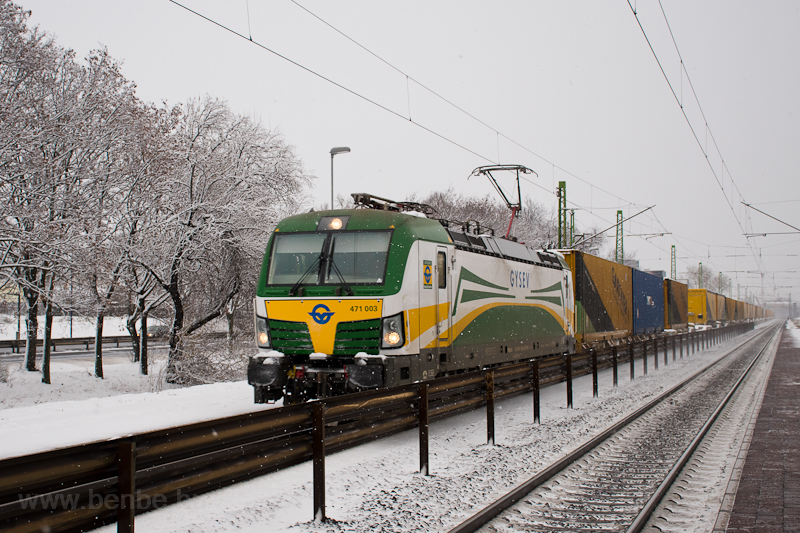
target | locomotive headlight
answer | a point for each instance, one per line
(262, 332)
(333, 223)
(392, 332)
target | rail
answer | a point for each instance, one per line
(81, 487)
(487, 514)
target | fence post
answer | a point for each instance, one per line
(318, 451)
(569, 381)
(680, 341)
(595, 387)
(614, 356)
(655, 355)
(674, 349)
(644, 356)
(535, 371)
(126, 485)
(666, 353)
(630, 354)
(490, 408)
(424, 467)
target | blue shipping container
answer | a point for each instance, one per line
(648, 303)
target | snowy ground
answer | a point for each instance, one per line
(78, 408)
(375, 487)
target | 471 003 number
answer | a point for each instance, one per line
(363, 308)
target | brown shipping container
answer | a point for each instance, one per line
(603, 297)
(722, 308)
(676, 304)
(712, 307)
(730, 312)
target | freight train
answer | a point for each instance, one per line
(386, 294)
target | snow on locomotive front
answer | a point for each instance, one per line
(356, 299)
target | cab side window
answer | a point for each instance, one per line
(441, 268)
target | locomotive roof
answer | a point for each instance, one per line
(371, 219)
(413, 227)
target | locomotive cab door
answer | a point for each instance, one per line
(434, 315)
(443, 305)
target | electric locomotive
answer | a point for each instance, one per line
(383, 295)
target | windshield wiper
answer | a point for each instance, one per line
(332, 265)
(345, 286)
(300, 281)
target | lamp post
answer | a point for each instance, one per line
(334, 151)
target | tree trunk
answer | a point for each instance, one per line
(175, 334)
(98, 347)
(48, 333)
(229, 317)
(131, 326)
(32, 323)
(143, 348)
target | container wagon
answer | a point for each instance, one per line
(603, 298)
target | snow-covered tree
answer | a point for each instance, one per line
(534, 225)
(711, 280)
(214, 213)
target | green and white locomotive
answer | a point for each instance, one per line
(382, 295)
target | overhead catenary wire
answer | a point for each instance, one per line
(772, 217)
(418, 124)
(454, 105)
(314, 73)
(708, 132)
(393, 112)
(497, 132)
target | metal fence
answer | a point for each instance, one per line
(17, 344)
(81, 487)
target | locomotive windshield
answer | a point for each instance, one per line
(329, 258)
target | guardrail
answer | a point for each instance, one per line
(81, 487)
(17, 344)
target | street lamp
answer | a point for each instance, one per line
(334, 151)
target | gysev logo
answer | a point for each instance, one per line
(321, 314)
(427, 274)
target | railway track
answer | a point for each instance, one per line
(615, 481)
(162, 466)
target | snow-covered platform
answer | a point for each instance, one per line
(768, 495)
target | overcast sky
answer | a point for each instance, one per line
(570, 89)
